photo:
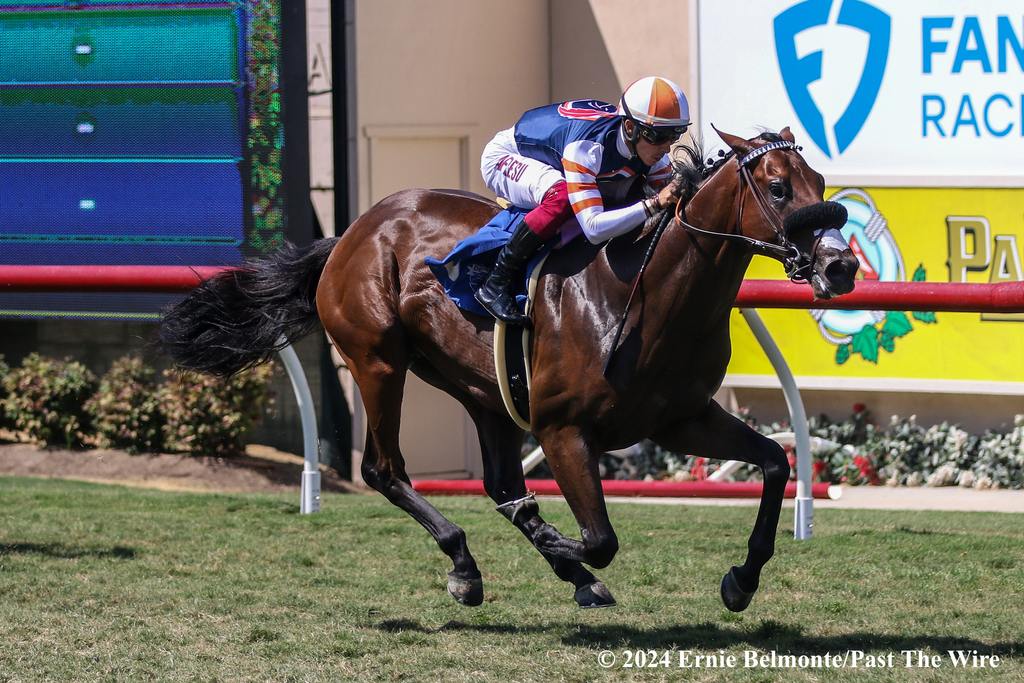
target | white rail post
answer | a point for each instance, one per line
(803, 521)
(310, 501)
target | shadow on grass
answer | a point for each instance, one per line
(59, 550)
(770, 635)
(399, 625)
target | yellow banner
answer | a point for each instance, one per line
(932, 234)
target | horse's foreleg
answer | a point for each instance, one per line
(381, 385)
(575, 468)
(500, 443)
(717, 434)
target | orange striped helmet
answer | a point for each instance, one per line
(657, 107)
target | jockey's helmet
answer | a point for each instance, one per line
(658, 109)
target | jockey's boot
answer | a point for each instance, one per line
(496, 294)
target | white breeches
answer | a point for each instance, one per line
(508, 174)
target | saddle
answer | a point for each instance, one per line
(512, 357)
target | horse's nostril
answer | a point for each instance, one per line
(838, 270)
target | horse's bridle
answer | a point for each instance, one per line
(795, 262)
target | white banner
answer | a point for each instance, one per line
(878, 92)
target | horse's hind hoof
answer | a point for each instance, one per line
(468, 592)
(594, 595)
(735, 598)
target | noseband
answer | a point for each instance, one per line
(793, 260)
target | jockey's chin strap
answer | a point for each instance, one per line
(793, 260)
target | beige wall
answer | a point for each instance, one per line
(599, 47)
(436, 79)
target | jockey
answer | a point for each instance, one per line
(607, 166)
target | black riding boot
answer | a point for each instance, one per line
(496, 294)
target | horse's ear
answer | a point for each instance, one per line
(738, 145)
(787, 135)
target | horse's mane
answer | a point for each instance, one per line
(691, 166)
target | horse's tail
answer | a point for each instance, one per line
(240, 318)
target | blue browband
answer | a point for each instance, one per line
(764, 149)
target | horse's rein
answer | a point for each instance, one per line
(784, 251)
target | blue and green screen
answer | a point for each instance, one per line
(136, 133)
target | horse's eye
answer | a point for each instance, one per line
(777, 189)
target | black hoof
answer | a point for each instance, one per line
(594, 595)
(468, 592)
(735, 598)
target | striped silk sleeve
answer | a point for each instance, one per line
(581, 161)
(660, 174)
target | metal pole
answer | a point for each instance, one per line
(310, 501)
(803, 521)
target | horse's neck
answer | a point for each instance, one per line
(699, 277)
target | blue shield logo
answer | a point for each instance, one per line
(799, 73)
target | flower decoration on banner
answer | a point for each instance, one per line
(868, 333)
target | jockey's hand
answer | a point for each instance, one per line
(668, 195)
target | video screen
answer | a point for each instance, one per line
(137, 133)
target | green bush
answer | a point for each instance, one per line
(5, 370)
(210, 416)
(125, 409)
(46, 400)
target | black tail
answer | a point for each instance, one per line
(238, 319)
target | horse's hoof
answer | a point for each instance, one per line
(735, 598)
(468, 592)
(594, 595)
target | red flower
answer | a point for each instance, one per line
(818, 469)
(698, 471)
(867, 470)
(859, 408)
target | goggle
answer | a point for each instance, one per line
(659, 136)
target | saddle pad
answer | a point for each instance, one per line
(464, 270)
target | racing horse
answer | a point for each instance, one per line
(387, 314)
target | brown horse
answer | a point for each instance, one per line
(387, 314)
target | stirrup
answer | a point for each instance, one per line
(512, 508)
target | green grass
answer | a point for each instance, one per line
(101, 582)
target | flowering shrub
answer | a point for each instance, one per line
(900, 453)
(210, 416)
(125, 410)
(45, 400)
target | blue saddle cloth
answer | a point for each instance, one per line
(464, 270)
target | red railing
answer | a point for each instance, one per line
(104, 278)
(1006, 297)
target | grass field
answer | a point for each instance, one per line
(101, 582)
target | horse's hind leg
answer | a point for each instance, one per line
(500, 442)
(381, 384)
(574, 464)
(717, 434)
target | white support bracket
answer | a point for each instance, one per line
(310, 501)
(803, 522)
